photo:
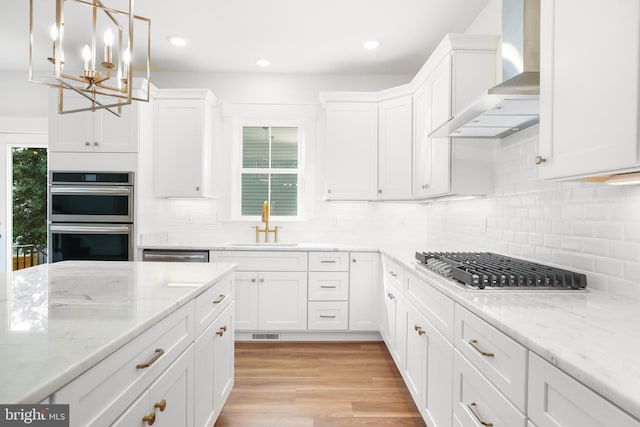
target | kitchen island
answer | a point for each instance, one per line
(57, 321)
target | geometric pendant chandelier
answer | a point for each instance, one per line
(87, 50)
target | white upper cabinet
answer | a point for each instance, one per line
(184, 138)
(86, 132)
(351, 158)
(459, 71)
(394, 148)
(589, 62)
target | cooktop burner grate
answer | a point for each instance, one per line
(489, 270)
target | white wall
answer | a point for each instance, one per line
(591, 228)
(20, 98)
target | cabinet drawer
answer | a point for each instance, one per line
(102, 393)
(435, 306)
(557, 400)
(328, 316)
(393, 272)
(263, 260)
(212, 302)
(328, 261)
(476, 402)
(502, 360)
(328, 286)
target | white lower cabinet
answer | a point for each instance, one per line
(272, 301)
(429, 368)
(169, 401)
(214, 353)
(364, 291)
(393, 322)
(476, 402)
(557, 400)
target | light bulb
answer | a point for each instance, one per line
(126, 56)
(54, 32)
(108, 37)
(86, 56)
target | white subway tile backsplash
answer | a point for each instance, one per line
(609, 267)
(588, 227)
(610, 230)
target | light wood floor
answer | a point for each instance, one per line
(317, 384)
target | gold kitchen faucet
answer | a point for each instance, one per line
(266, 230)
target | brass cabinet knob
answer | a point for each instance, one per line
(540, 160)
(96, 143)
(253, 280)
(162, 405)
(149, 419)
(87, 143)
(261, 280)
(425, 186)
(197, 188)
(379, 190)
(329, 191)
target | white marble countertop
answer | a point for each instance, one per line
(252, 246)
(59, 320)
(593, 336)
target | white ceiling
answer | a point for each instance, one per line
(297, 36)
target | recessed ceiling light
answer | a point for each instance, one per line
(177, 41)
(263, 63)
(371, 44)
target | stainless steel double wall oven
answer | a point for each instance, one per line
(91, 216)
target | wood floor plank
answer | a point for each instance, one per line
(310, 384)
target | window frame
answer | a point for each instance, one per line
(240, 170)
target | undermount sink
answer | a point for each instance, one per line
(263, 244)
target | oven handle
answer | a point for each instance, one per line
(124, 191)
(118, 229)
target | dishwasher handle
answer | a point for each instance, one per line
(176, 256)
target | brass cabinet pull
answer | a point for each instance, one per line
(393, 273)
(425, 186)
(474, 344)
(159, 352)
(323, 316)
(219, 300)
(222, 330)
(472, 407)
(149, 419)
(390, 295)
(419, 330)
(540, 160)
(328, 261)
(327, 287)
(162, 405)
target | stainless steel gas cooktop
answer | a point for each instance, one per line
(487, 270)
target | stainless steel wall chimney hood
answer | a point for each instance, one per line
(513, 105)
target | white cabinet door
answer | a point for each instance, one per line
(364, 291)
(282, 301)
(399, 351)
(416, 366)
(87, 131)
(431, 156)
(168, 401)
(421, 181)
(437, 401)
(246, 301)
(214, 353)
(557, 400)
(394, 148)
(589, 108)
(388, 319)
(183, 147)
(171, 396)
(351, 158)
(223, 355)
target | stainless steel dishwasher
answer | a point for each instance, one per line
(175, 255)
